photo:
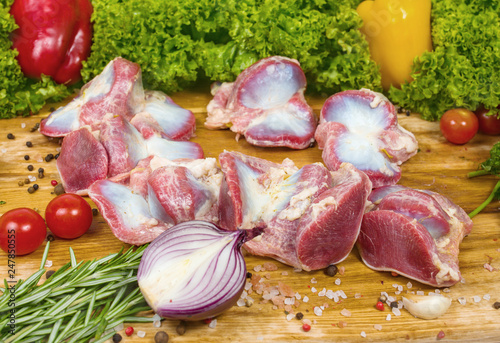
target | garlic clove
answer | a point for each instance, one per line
(426, 306)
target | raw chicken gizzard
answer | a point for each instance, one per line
(361, 127)
(266, 105)
(415, 233)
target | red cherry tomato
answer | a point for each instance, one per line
(459, 125)
(68, 216)
(22, 231)
(489, 125)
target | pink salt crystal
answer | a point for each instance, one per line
(345, 313)
(257, 268)
(267, 275)
(342, 324)
(285, 290)
(278, 300)
(341, 270)
(288, 308)
(270, 266)
(255, 279)
(488, 267)
(306, 321)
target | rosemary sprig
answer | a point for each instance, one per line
(80, 301)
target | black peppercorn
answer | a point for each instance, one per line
(394, 304)
(299, 315)
(34, 128)
(40, 170)
(56, 156)
(59, 189)
(35, 186)
(161, 337)
(331, 270)
(29, 144)
(40, 175)
(117, 338)
(249, 275)
(10, 136)
(181, 328)
(26, 157)
(496, 305)
(49, 157)
(30, 167)
(95, 212)
(408, 113)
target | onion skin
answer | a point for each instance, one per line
(194, 270)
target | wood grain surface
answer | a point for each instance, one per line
(439, 166)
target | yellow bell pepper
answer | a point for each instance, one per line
(397, 32)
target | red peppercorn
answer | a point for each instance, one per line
(207, 320)
(129, 331)
(380, 306)
(440, 335)
(53, 183)
(306, 327)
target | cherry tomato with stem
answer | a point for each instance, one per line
(68, 216)
(488, 124)
(22, 231)
(458, 125)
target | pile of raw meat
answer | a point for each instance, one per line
(129, 150)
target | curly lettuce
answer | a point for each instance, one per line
(463, 70)
(18, 94)
(179, 43)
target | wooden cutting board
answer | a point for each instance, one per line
(439, 166)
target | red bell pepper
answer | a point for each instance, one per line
(53, 38)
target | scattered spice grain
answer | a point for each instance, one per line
(26, 157)
(31, 190)
(394, 304)
(181, 328)
(440, 335)
(29, 144)
(117, 338)
(35, 186)
(20, 183)
(496, 305)
(10, 136)
(95, 212)
(30, 167)
(299, 315)
(59, 189)
(56, 156)
(331, 270)
(49, 273)
(161, 337)
(49, 157)
(27, 181)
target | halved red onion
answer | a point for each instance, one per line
(194, 270)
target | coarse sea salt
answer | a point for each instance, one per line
(337, 281)
(409, 285)
(420, 293)
(318, 311)
(213, 324)
(240, 302)
(396, 311)
(330, 294)
(486, 297)
(31, 178)
(377, 327)
(4, 151)
(345, 312)
(305, 299)
(141, 334)
(290, 316)
(342, 294)
(313, 280)
(357, 295)
(476, 298)
(322, 292)
(297, 296)
(363, 334)
(289, 301)
(388, 317)
(462, 300)
(23, 125)
(48, 264)
(314, 290)
(257, 268)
